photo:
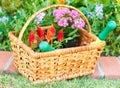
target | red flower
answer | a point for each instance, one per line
(60, 35)
(40, 33)
(53, 30)
(50, 33)
(31, 38)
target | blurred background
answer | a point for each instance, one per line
(14, 14)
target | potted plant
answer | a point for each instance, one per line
(62, 33)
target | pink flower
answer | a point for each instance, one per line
(65, 17)
(74, 14)
(70, 19)
(63, 22)
(73, 26)
(78, 23)
(66, 11)
(58, 14)
(81, 23)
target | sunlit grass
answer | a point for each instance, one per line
(18, 81)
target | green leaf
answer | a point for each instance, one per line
(57, 44)
(67, 39)
(99, 1)
(73, 32)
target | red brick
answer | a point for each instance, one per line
(12, 69)
(111, 67)
(96, 75)
(4, 57)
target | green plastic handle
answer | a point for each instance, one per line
(44, 46)
(111, 25)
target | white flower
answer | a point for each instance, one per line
(4, 18)
(40, 17)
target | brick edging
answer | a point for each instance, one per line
(7, 64)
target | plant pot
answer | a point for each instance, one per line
(72, 43)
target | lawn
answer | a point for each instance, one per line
(17, 81)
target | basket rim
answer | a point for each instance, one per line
(93, 45)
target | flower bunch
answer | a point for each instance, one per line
(63, 21)
(65, 18)
(99, 10)
(40, 17)
(44, 35)
(97, 13)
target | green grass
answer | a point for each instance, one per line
(17, 81)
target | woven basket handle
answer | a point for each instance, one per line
(48, 7)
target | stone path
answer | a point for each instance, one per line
(108, 67)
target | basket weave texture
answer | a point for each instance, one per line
(59, 64)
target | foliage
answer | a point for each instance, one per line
(18, 17)
(110, 11)
(11, 5)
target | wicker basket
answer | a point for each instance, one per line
(59, 64)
